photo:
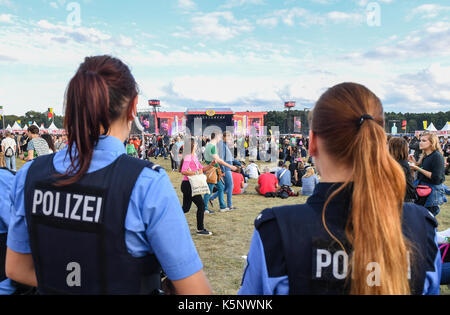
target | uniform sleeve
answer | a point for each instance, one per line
(256, 280)
(5, 203)
(433, 278)
(18, 238)
(156, 224)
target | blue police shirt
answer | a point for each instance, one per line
(6, 180)
(155, 222)
(256, 279)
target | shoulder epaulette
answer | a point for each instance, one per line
(263, 217)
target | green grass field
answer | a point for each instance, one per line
(222, 254)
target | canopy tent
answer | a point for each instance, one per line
(16, 127)
(53, 129)
(432, 128)
(446, 127)
(9, 128)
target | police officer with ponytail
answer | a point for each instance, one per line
(354, 235)
(91, 220)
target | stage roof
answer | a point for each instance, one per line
(200, 111)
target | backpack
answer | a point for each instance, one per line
(9, 152)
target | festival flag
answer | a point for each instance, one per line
(50, 113)
(404, 124)
(1, 112)
(425, 125)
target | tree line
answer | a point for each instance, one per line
(285, 120)
(33, 116)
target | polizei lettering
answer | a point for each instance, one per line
(70, 206)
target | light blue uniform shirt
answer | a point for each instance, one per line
(155, 222)
(6, 180)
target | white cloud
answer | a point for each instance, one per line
(220, 26)
(301, 16)
(6, 18)
(239, 3)
(428, 11)
(432, 40)
(186, 4)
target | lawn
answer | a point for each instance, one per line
(222, 254)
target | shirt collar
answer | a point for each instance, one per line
(110, 144)
(324, 190)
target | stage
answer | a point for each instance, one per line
(172, 123)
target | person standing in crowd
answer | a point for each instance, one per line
(131, 149)
(173, 163)
(447, 156)
(51, 145)
(431, 171)
(2, 154)
(267, 183)
(414, 147)
(398, 147)
(120, 241)
(9, 149)
(309, 182)
(356, 215)
(35, 144)
(226, 155)
(211, 155)
(190, 166)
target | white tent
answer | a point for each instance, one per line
(432, 128)
(9, 128)
(53, 128)
(16, 127)
(34, 124)
(446, 127)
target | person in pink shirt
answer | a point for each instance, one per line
(190, 166)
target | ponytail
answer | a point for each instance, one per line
(101, 91)
(374, 227)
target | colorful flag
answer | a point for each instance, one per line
(425, 125)
(404, 125)
(50, 113)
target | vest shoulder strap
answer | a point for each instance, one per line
(5, 169)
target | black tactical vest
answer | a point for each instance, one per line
(314, 262)
(77, 232)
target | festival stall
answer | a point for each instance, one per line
(54, 130)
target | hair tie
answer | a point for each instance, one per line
(364, 118)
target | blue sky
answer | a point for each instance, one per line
(243, 54)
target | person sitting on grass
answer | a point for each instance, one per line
(309, 182)
(252, 170)
(239, 184)
(267, 183)
(284, 176)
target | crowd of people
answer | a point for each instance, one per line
(372, 201)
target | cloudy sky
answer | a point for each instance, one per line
(243, 54)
